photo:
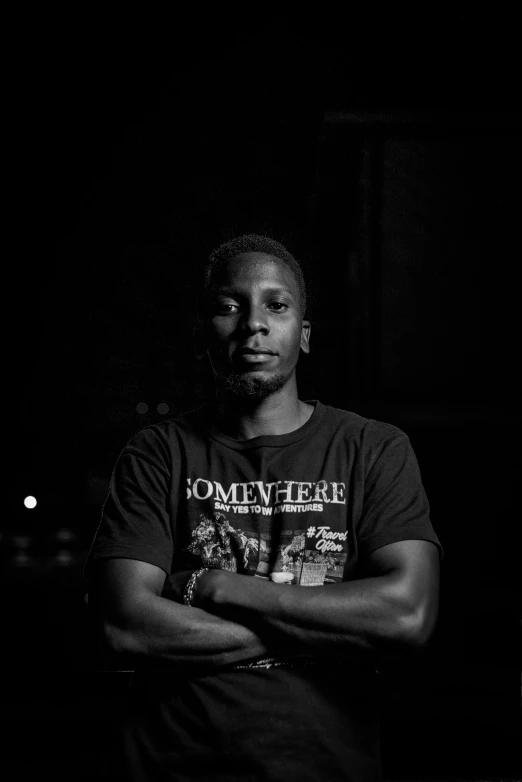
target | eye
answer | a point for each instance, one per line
(278, 306)
(225, 307)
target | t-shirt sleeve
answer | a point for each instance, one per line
(135, 522)
(395, 505)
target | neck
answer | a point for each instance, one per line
(244, 419)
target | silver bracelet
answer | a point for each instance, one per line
(189, 587)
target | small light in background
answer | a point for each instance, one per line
(65, 535)
(22, 559)
(64, 558)
(30, 502)
(21, 541)
(142, 408)
(163, 408)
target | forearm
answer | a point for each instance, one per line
(160, 631)
(368, 615)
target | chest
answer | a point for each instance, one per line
(270, 515)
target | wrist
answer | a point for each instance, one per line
(190, 587)
(206, 587)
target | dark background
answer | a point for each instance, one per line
(385, 152)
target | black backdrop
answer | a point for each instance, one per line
(386, 154)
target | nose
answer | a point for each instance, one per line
(255, 320)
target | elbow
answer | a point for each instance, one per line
(416, 630)
(120, 641)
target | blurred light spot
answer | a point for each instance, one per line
(21, 559)
(163, 408)
(21, 541)
(65, 535)
(142, 408)
(64, 558)
(30, 502)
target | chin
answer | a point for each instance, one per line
(252, 386)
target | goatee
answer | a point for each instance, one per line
(252, 387)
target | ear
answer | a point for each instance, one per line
(305, 336)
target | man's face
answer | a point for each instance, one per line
(255, 329)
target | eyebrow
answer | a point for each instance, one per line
(224, 291)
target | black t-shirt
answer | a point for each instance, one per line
(309, 505)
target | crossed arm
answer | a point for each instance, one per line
(391, 610)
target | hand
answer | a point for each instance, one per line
(227, 594)
(211, 584)
(205, 588)
(175, 584)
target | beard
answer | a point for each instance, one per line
(251, 387)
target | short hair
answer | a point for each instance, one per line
(249, 243)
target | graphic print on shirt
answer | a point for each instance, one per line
(271, 530)
(219, 545)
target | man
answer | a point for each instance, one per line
(258, 556)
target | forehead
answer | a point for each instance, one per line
(255, 269)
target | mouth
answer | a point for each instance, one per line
(259, 351)
(258, 355)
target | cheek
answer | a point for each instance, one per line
(292, 343)
(218, 335)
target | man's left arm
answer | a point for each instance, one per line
(392, 609)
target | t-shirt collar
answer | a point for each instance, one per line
(265, 440)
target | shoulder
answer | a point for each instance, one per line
(372, 442)
(371, 433)
(161, 439)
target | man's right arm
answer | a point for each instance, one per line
(138, 623)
